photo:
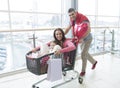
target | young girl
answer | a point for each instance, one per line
(54, 47)
(51, 47)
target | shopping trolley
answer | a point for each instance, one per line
(39, 66)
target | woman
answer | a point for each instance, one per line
(68, 47)
(61, 40)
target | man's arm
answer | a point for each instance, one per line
(86, 34)
(67, 29)
(88, 31)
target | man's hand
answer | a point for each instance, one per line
(80, 41)
(67, 29)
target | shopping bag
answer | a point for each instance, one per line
(54, 72)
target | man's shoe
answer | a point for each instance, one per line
(82, 73)
(94, 65)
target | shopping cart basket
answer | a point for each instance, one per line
(39, 66)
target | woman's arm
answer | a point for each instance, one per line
(36, 49)
(68, 46)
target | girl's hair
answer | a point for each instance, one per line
(63, 36)
(53, 42)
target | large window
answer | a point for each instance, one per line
(20, 20)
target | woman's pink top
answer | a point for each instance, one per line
(67, 46)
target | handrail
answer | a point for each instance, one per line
(23, 30)
(44, 29)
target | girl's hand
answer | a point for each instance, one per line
(57, 52)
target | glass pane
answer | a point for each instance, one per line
(21, 5)
(3, 56)
(49, 20)
(116, 34)
(108, 7)
(43, 36)
(3, 5)
(21, 20)
(87, 7)
(49, 6)
(66, 6)
(52, 6)
(13, 49)
(19, 50)
(29, 21)
(4, 21)
(5, 37)
(115, 44)
(108, 21)
(65, 20)
(92, 20)
(97, 43)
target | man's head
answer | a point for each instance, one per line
(72, 14)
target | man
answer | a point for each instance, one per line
(80, 26)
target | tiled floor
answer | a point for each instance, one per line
(106, 75)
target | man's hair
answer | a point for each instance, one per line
(71, 10)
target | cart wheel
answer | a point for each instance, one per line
(64, 73)
(80, 80)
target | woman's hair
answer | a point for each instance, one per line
(63, 36)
